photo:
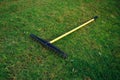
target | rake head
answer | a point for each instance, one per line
(49, 45)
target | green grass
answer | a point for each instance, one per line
(93, 51)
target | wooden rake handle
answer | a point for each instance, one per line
(73, 30)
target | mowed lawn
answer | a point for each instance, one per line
(93, 51)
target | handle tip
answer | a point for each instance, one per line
(95, 17)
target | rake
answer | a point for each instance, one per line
(49, 44)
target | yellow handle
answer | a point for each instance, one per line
(71, 31)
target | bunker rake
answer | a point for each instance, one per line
(49, 44)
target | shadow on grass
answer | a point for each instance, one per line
(103, 69)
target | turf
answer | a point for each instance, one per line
(93, 51)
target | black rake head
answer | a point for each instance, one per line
(49, 45)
